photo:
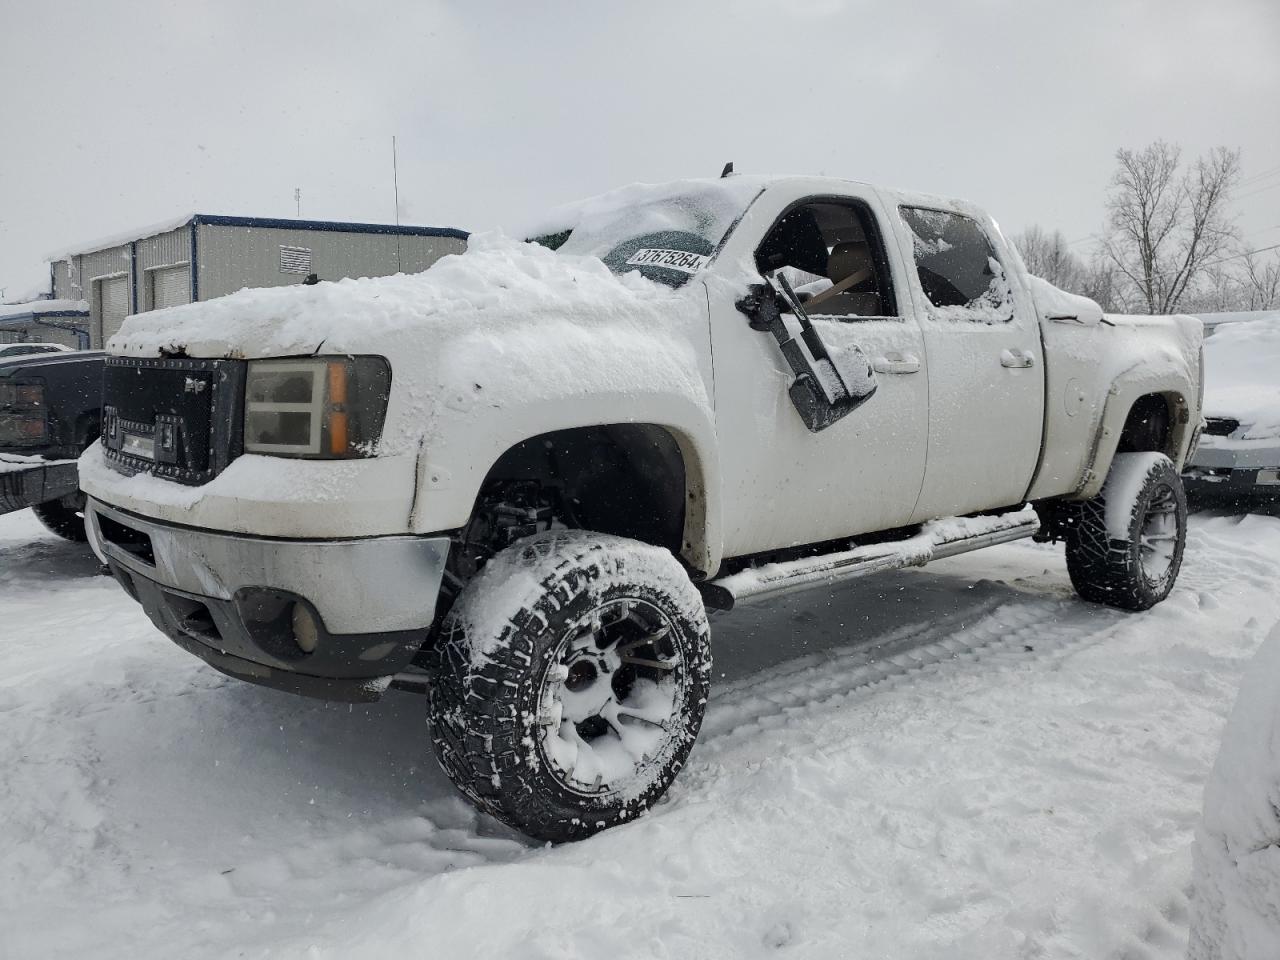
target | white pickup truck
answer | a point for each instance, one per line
(519, 480)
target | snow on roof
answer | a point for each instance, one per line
(36, 307)
(118, 239)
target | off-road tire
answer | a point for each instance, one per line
(491, 663)
(1110, 570)
(64, 517)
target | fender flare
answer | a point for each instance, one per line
(1131, 384)
(445, 496)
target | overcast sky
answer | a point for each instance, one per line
(117, 115)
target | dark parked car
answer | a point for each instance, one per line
(50, 410)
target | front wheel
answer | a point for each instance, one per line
(1126, 549)
(570, 681)
(64, 517)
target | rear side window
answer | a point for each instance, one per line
(957, 266)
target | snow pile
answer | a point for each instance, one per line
(700, 206)
(957, 763)
(1236, 908)
(1053, 301)
(1241, 362)
(497, 278)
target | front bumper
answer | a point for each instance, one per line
(25, 482)
(1227, 467)
(229, 599)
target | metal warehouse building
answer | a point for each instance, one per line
(46, 321)
(204, 256)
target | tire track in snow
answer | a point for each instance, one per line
(1036, 630)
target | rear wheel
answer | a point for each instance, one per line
(570, 682)
(64, 517)
(1126, 548)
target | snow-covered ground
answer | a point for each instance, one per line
(956, 762)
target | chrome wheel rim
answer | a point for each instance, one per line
(609, 703)
(1158, 536)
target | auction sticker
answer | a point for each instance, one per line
(680, 260)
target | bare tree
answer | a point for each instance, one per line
(1164, 226)
(1100, 283)
(1261, 282)
(1048, 256)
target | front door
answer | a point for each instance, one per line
(986, 366)
(782, 484)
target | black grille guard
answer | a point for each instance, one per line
(180, 419)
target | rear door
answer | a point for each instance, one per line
(986, 364)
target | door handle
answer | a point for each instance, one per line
(896, 363)
(1017, 358)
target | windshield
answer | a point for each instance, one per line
(667, 232)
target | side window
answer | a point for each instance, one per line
(831, 253)
(957, 266)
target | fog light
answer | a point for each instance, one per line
(306, 632)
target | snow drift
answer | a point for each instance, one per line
(1236, 907)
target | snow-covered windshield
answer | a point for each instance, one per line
(666, 231)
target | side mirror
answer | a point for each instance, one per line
(829, 384)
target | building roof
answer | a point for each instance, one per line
(42, 309)
(262, 223)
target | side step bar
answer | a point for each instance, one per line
(936, 540)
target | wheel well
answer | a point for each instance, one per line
(1149, 426)
(624, 479)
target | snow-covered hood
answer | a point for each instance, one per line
(1242, 377)
(502, 327)
(496, 282)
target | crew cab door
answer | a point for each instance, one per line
(784, 483)
(986, 363)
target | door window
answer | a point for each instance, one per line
(831, 253)
(957, 266)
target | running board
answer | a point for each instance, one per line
(936, 540)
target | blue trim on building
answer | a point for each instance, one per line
(133, 276)
(195, 262)
(31, 315)
(333, 226)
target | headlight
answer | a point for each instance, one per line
(323, 408)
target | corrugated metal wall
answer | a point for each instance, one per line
(88, 271)
(230, 258)
(163, 250)
(233, 257)
(62, 289)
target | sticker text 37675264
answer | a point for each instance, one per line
(680, 260)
